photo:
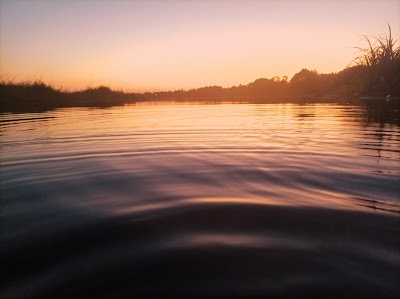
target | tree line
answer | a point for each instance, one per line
(375, 71)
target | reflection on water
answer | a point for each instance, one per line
(381, 114)
(190, 199)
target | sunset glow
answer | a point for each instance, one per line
(166, 45)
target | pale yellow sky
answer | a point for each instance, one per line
(166, 45)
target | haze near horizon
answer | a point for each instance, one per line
(166, 45)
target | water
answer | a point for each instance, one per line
(165, 199)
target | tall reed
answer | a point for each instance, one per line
(380, 51)
(381, 59)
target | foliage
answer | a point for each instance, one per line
(374, 71)
(380, 51)
(381, 61)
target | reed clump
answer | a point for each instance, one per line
(36, 96)
(381, 61)
(375, 72)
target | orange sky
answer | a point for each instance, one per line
(163, 45)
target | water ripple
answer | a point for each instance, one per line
(200, 200)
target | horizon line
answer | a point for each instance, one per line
(4, 80)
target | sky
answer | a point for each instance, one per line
(172, 44)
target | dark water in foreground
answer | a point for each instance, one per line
(197, 200)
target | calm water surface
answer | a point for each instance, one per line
(200, 199)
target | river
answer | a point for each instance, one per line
(200, 199)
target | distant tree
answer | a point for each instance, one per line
(303, 76)
(305, 82)
(276, 79)
(352, 80)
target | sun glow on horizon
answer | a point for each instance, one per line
(151, 45)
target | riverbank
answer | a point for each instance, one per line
(39, 97)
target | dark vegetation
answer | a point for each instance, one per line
(375, 72)
(38, 96)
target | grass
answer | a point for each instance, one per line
(381, 57)
(380, 51)
(374, 71)
(36, 96)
